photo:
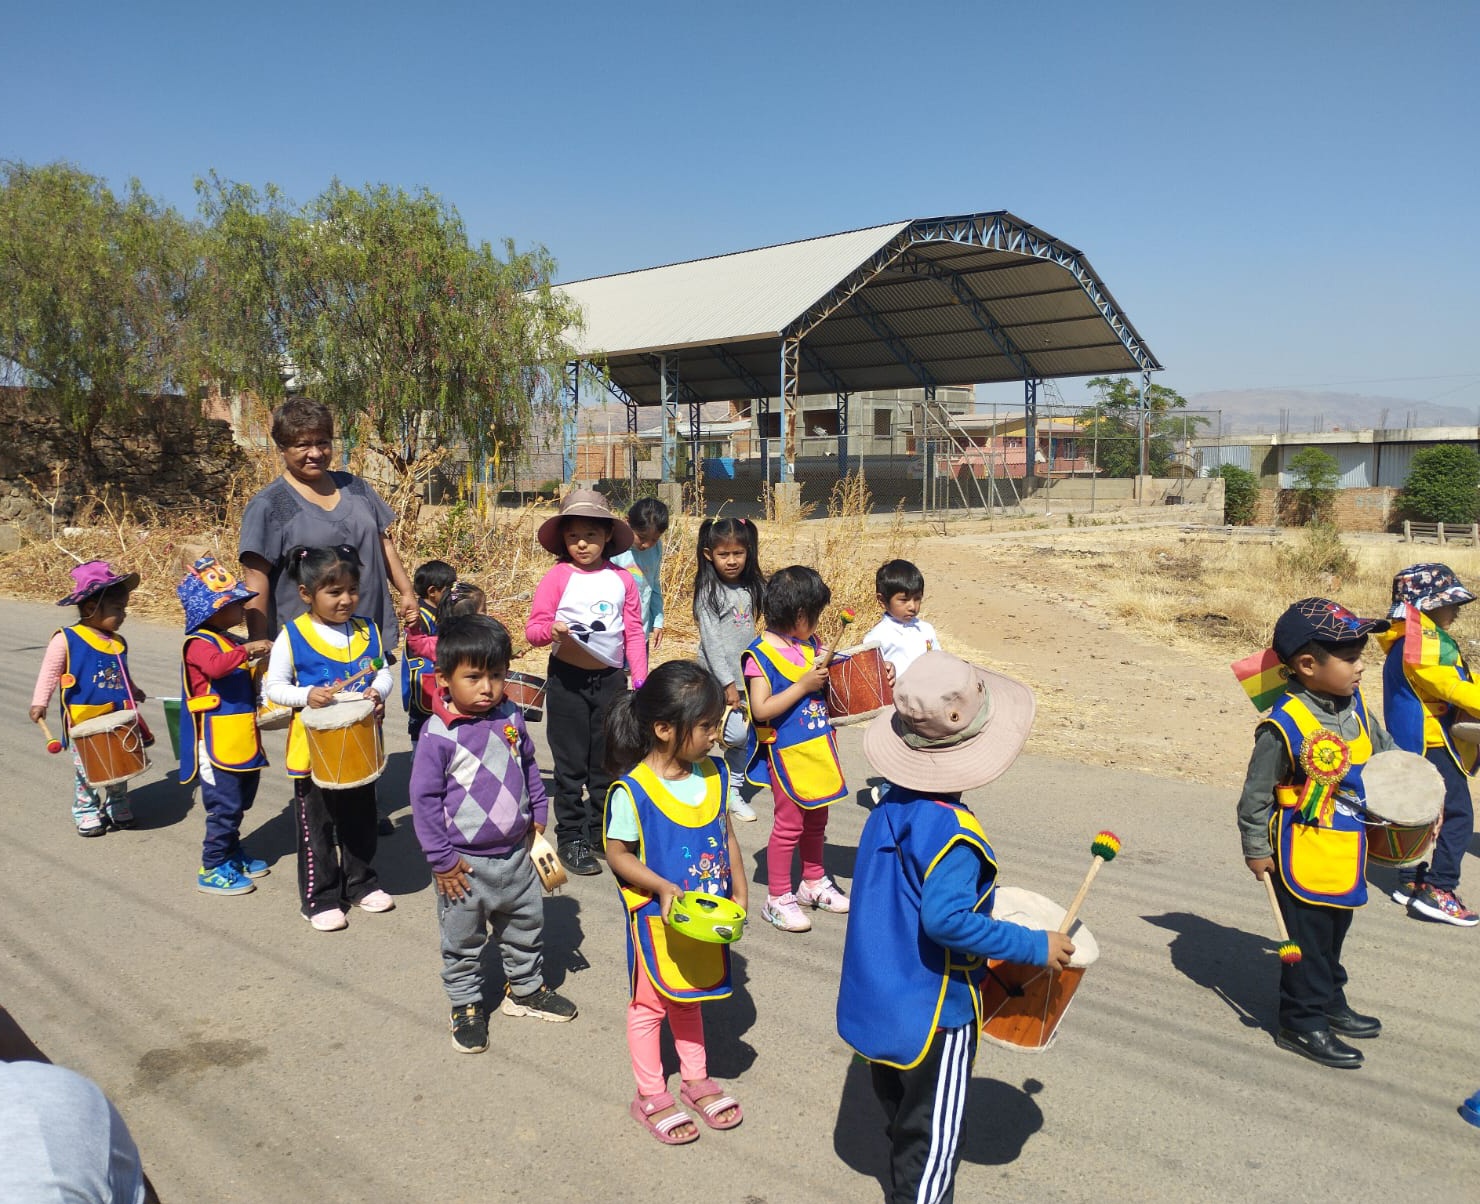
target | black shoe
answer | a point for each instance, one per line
(1320, 1046)
(470, 1028)
(385, 827)
(1353, 1024)
(576, 856)
(542, 1004)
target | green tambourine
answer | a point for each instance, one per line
(710, 918)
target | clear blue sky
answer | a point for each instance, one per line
(1277, 193)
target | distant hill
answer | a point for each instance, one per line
(1246, 411)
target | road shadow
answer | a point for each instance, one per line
(161, 804)
(1241, 968)
(563, 939)
(725, 1024)
(837, 860)
(998, 1121)
(864, 795)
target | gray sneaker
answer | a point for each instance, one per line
(542, 1004)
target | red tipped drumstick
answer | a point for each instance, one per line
(828, 653)
(53, 745)
(1289, 950)
(1102, 849)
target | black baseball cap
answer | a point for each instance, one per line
(1320, 621)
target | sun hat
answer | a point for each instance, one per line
(1427, 587)
(1321, 621)
(953, 726)
(93, 577)
(207, 589)
(584, 503)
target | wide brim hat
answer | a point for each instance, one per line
(92, 577)
(584, 503)
(207, 590)
(1427, 587)
(953, 726)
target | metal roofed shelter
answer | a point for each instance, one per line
(924, 303)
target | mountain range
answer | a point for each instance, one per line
(1248, 411)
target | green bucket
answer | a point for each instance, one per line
(172, 721)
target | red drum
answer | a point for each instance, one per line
(110, 747)
(527, 692)
(857, 688)
(1405, 803)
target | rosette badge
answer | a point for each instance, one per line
(1325, 759)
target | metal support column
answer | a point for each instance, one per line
(790, 399)
(695, 419)
(570, 403)
(762, 421)
(668, 370)
(1030, 431)
(1145, 422)
(842, 400)
(631, 444)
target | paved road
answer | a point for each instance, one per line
(258, 1060)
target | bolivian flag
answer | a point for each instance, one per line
(1424, 643)
(1263, 677)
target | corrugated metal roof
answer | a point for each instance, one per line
(886, 307)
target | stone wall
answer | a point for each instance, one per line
(164, 454)
(1354, 509)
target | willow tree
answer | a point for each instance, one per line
(389, 314)
(95, 292)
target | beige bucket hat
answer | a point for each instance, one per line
(953, 726)
(584, 503)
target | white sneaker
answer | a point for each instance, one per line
(785, 914)
(329, 920)
(741, 810)
(377, 900)
(822, 894)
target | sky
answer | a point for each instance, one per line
(1279, 195)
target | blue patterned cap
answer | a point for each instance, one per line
(1427, 587)
(208, 589)
(1321, 621)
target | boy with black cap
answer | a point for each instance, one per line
(1295, 817)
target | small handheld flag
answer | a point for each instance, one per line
(1263, 677)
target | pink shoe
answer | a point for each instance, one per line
(783, 912)
(377, 900)
(822, 894)
(329, 920)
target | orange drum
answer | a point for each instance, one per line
(527, 692)
(856, 686)
(344, 743)
(1405, 802)
(110, 747)
(1023, 1006)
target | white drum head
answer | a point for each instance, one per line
(346, 711)
(103, 723)
(1019, 906)
(1403, 788)
(1467, 730)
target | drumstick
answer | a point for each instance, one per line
(1102, 849)
(375, 667)
(828, 653)
(53, 745)
(1289, 950)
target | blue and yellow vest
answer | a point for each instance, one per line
(1404, 712)
(894, 978)
(317, 663)
(224, 718)
(1323, 862)
(413, 668)
(95, 677)
(689, 846)
(797, 751)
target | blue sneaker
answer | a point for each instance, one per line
(224, 879)
(252, 867)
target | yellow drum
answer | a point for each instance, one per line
(345, 748)
(110, 747)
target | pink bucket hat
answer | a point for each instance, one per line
(953, 726)
(93, 577)
(584, 503)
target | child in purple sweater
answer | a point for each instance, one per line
(476, 801)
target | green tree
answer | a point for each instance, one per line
(376, 297)
(96, 291)
(1443, 485)
(1313, 476)
(1116, 425)
(1240, 494)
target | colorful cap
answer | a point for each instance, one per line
(1322, 621)
(208, 589)
(1427, 587)
(93, 577)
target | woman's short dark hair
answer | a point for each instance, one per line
(300, 416)
(795, 593)
(477, 640)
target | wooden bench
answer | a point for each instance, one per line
(1442, 533)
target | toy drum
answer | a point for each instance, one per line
(270, 716)
(110, 747)
(709, 918)
(1023, 1006)
(344, 744)
(856, 686)
(1466, 729)
(1405, 799)
(546, 863)
(527, 692)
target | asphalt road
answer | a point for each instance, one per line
(256, 1059)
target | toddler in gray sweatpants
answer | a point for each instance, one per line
(476, 802)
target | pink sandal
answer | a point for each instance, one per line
(692, 1093)
(643, 1109)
